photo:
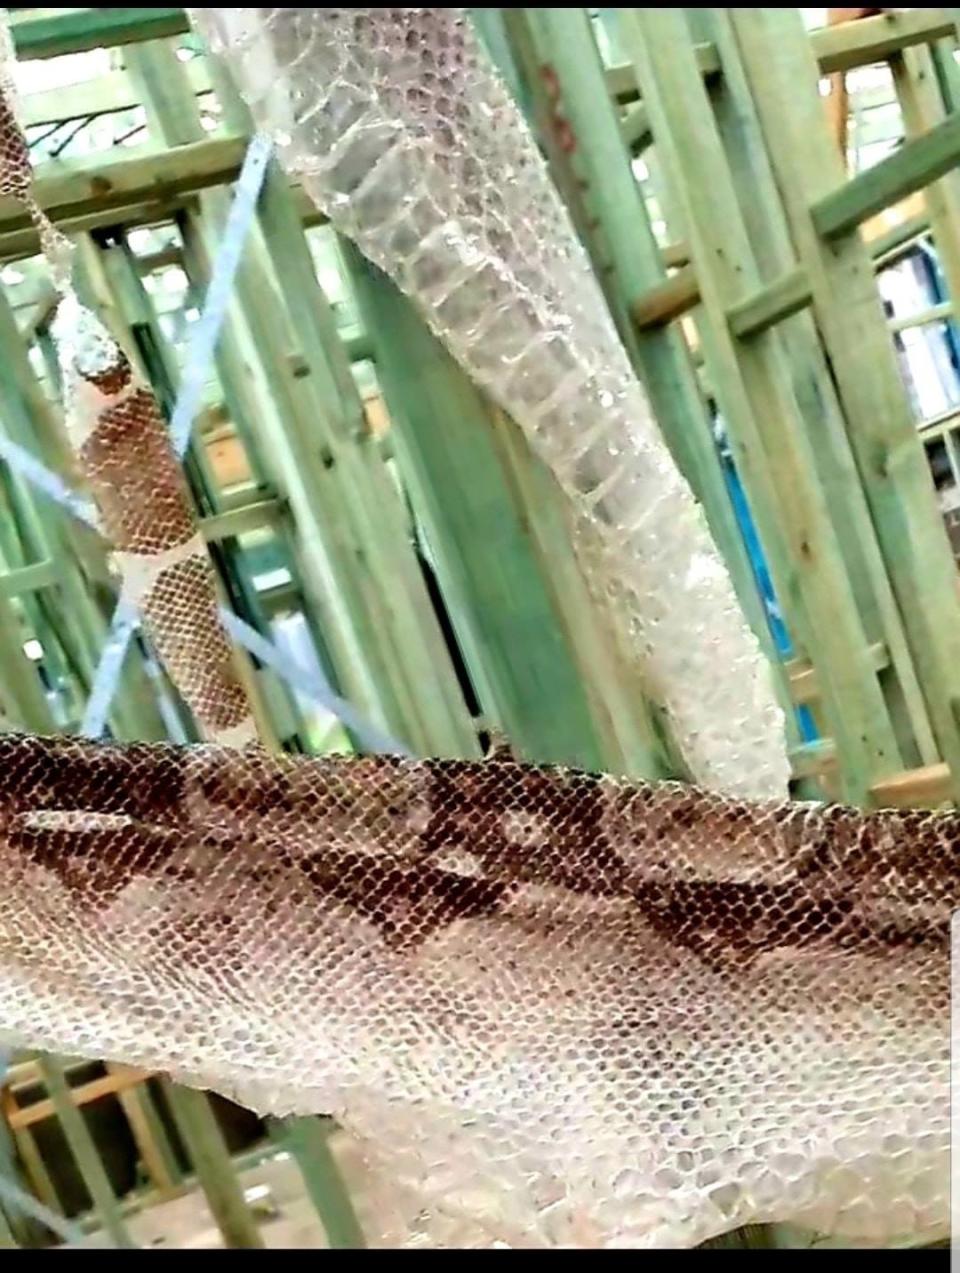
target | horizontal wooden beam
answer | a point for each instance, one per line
(667, 301)
(813, 760)
(934, 314)
(785, 296)
(917, 164)
(79, 30)
(241, 520)
(868, 40)
(635, 127)
(675, 255)
(790, 293)
(839, 48)
(885, 248)
(916, 788)
(622, 79)
(804, 686)
(120, 1080)
(17, 583)
(109, 188)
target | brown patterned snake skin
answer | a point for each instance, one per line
(123, 450)
(577, 1011)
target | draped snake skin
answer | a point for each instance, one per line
(566, 1010)
(557, 1009)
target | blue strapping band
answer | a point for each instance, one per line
(126, 621)
(200, 352)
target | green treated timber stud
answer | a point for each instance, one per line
(76, 553)
(540, 105)
(507, 623)
(433, 698)
(621, 702)
(80, 30)
(815, 391)
(434, 712)
(308, 1141)
(363, 511)
(914, 166)
(15, 1222)
(871, 40)
(882, 431)
(756, 396)
(789, 293)
(7, 1240)
(922, 106)
(252, 365)
(45, 574)
(661, 358)
(21, 694)
(841, 48)
(785, 296)
(207, 1149)
(84, 1151)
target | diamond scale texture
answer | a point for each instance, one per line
(401, 132)
(556, 1009)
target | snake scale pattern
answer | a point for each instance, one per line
(556, 1009)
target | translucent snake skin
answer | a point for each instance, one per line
(556, 1009)
(400, 131)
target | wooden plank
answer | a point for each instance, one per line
(789, 293)
(922, 105)
(661, 356)
(207, 1149)
(803, 675)
(68, 189)
(150, 1136)
(869, 40)
(923, 317)
(815, 391)
(913, 167)
(511, 609)
(241, 520)
(85, 1153)
(785, 296)
(667, 301)
(840, 48)
(756, 397)
(307, 1139)
(882, 431)
(277, 414)
(118, 1081)
(622, 80)
(635, 128)
(79, 30)
(14, 583)
(30, 420)
(928, 787)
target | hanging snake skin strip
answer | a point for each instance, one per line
(566, 1009)
(396, 126)
(123, 448)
